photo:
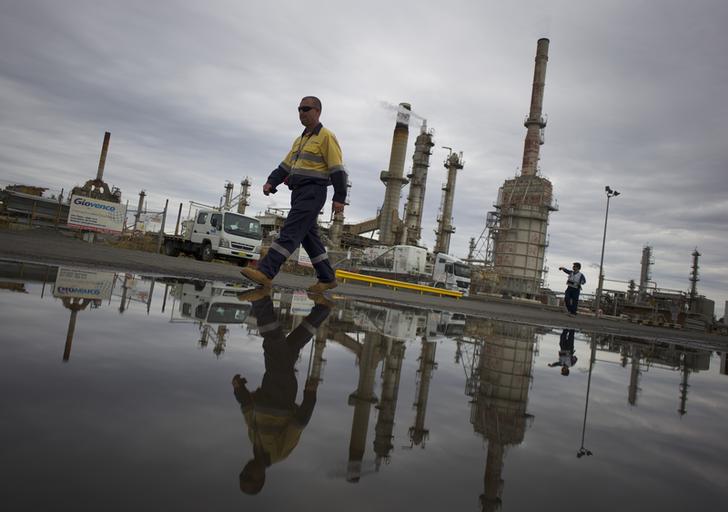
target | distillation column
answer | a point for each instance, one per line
(445, 229)
(228, 195)
(524, 204)
(693, 296)
(418, 183)
(243, 199)
(645, 272)
(394, 179)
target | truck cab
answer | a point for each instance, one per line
(451, 273)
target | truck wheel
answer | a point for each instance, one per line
(170, 249)
(243, 263)
(206, 253)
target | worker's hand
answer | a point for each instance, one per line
(239, 382)
(267, 189)
(338, 207)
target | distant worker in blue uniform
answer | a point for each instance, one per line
(573, 287)
(314, 162)
(275, 421)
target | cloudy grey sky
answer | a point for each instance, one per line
(199, 93)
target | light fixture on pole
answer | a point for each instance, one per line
(610, 193)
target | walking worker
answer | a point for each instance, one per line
(573, 287)
(313, 163)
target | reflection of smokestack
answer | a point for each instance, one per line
(444, 223)
(634, 377)
(388, 404)
(535, 123)
(102, 158)
(418, 433)
(393, 178)
(418, 183)
(362, 400)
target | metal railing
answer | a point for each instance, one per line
(345, 275)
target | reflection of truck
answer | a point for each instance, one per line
(211, 303)
(409, 263)
(217, 234)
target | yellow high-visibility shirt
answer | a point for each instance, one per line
(316, 155)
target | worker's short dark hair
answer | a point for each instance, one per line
(316, 101)
(577, 264)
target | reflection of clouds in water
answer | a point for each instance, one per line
(139, 391)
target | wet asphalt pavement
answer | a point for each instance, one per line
(52, 247)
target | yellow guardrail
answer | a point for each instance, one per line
(345, 275)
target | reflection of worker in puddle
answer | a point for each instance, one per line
(567, 359)
(275, 422)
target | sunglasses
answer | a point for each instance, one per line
(305, 109)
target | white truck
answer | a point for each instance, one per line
(214, 233)
(451, 273)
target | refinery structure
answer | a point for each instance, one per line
(507, 259)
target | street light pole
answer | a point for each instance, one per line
(610, 193)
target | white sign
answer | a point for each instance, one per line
(83, 284)
(301, 305)
(96, 215)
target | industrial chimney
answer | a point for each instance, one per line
(535, 123)
(518, 230)
(393, 178)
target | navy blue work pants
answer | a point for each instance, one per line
(301, 228)
(571, 299)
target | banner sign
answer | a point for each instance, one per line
(83, 284)
(96, 215)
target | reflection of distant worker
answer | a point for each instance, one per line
(314, 162)
(567, 357)
(573, 287)
(275, 422)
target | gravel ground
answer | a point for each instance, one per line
(50, 246)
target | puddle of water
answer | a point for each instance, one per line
(117, 394)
